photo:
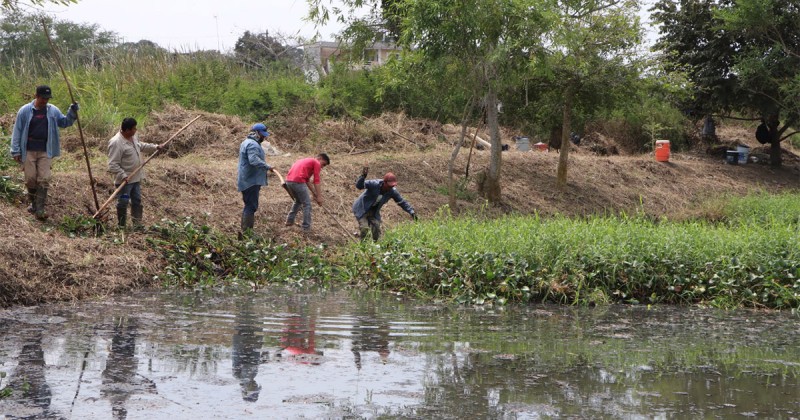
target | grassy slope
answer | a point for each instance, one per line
(40, 263)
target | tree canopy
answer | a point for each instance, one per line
(741, 57)
(14, 4)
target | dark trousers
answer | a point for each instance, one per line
(250, 199)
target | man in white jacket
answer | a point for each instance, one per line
(124, 156)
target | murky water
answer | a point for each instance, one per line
(292, 354)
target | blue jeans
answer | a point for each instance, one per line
(131, 193)
(301, 199)
(250, 199)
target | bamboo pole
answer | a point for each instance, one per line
(135, 171)
(77, 119)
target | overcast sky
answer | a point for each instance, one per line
(194, 24)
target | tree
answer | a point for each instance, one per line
(259, 49)
(22, 37)
(14, 4)
(741, 56)
(588, 50)
(487, 36)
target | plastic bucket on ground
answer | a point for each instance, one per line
(732, 157)
(523, 144)
(744, 152)
(662, 150)
(542, 147)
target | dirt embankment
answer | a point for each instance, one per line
(197, 179)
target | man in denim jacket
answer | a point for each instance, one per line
(367, 207)
(35, 143)
(252, 174)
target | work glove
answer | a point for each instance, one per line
(414, 217)
(364, 171)
(74, 107)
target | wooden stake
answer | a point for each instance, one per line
(78, 120)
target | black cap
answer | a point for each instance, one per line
(43, 91)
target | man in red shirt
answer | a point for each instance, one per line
(304, 176)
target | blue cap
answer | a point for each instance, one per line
(261, 129)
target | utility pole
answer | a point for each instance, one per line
(216, 21)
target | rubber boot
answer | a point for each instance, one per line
(248, 221)
(32, 200)
(136, 216)
(39, 204)
(122, 216)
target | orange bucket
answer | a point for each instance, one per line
(662, 150)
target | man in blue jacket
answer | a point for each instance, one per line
(252, 173)
(367, 207)
(35, 143)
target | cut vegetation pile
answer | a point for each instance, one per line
(61, 259)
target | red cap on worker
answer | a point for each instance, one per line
(389, 179)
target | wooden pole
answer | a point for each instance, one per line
(135, 171)
(78, 120)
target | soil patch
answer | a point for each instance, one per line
(197, 178)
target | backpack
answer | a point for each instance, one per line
(762, 134)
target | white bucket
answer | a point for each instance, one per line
(523, 144)
(744, 152)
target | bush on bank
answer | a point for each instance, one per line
(752, 259)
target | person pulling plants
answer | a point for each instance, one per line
(367, 207)
(35, 143)
(304, 176)
(124, 157)
(252, 174)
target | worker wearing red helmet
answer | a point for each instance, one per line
(367, 207)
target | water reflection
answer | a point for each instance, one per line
(370, 333)
(31, 393)
(224, 356)
(298, 335)
(119, 378)
(246, 350)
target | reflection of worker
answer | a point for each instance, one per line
(298, 339)
(29, 384)
(367, 207)
(370, 333)
(119, 376)
(246, 353)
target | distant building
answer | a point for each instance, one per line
(319, 56)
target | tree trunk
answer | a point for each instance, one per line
(454, 155)
(775, 158)
(563, 156)
(775, 140)
(493, 192)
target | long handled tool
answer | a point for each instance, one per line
(78, 120)
(135, 171)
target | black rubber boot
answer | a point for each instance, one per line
(122, 216)
(136, 216)
(248, 221)
(32, 200)
(39, 204)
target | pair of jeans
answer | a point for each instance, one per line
(301, 199)
(130, 193)
(250, 199)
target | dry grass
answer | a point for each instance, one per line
(197, 178)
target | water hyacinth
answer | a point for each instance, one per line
(752, 259)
